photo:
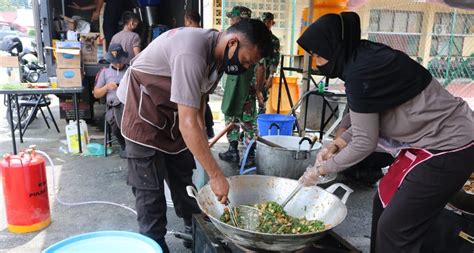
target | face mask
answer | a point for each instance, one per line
(327, 70)
(232, 66)
(334, 67)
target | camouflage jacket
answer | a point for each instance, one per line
(271, 63)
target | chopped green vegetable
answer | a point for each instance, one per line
(274, 220)
(11, 86)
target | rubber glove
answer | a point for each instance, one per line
(326, 152)
(312, 175)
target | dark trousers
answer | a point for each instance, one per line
(113, 116)
(148, 168)
(402, 226)
(116, 132)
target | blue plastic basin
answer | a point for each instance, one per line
(105, 242)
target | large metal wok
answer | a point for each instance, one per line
(311, 203)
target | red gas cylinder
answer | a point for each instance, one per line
(26, 192)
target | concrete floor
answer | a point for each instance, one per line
(84, 178)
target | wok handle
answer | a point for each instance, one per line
(332, 189)
(192, 192)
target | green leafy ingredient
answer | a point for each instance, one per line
(274, 220)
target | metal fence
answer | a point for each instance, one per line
(438, 36)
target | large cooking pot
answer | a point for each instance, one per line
(311, 203)
(290, 160)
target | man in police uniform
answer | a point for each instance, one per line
(164, 93)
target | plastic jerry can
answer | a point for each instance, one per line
(71, 135)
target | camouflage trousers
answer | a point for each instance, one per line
(247, 121)
(263, 108)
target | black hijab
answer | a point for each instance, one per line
(376, 76)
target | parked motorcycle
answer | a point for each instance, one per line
(30, 71)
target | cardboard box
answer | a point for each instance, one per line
(9, 70)
(68, 78)
(68, 54)
(89, 42)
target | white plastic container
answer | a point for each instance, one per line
(71, 135)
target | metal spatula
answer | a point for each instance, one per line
(233, 217)
(322, 180)
(249, 217)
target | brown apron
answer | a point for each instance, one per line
(150, 118)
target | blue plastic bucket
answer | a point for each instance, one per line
(275, 124)
(106, 242)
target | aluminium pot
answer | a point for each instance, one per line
(290, 160)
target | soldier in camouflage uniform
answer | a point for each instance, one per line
(239, 101)
(271, 63)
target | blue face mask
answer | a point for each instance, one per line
(232, 66)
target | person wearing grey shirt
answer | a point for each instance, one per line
(129, 40)
(106, 85)
(395, 104)
(164, 92)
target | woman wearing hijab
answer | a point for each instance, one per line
(397, 105)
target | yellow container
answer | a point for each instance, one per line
(285, 107)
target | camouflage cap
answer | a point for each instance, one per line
(267, 16)
(239, 11)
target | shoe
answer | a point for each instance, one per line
(232, 154)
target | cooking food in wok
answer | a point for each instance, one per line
(311, 202)
(273, 219)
